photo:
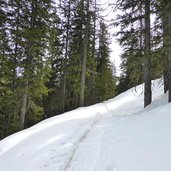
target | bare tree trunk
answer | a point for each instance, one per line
(23, 110)
(165, 60)
(85, 52)
(165, 44)
(93, 53)
(15, 51)
(147, 64)
(169, 51)
(66, 56)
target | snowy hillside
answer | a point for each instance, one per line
(117, 135)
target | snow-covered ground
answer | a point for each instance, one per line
(116, 135)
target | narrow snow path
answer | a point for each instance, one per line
(77, 146)
(90, 146)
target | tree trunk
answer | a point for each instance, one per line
(165, 44)
(169, 51)
(85, 52)
(23, 110)
(147, 64)
(66, 56)
(93, 54)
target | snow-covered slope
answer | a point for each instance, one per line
(117, 135)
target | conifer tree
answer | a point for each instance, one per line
(135, 38)
(26, 60)
(131, 38)
(105, 79)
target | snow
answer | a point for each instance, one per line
(116, 135)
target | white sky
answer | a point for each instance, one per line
(115, 47)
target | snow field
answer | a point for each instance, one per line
(116, 135)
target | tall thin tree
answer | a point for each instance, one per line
(85, 53)
(68, 14)
(147, 62)
(169, 50)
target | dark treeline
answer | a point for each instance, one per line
(54, 57)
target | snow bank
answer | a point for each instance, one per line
(115, 135)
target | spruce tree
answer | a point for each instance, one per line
(131, 39)
(26, 60)
(135, 38)
(105, 78)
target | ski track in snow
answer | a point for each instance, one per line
(81, 140)
(92, 140)
(50, 164)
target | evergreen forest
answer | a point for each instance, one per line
(55, 55)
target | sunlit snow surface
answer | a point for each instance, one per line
(116, 135)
